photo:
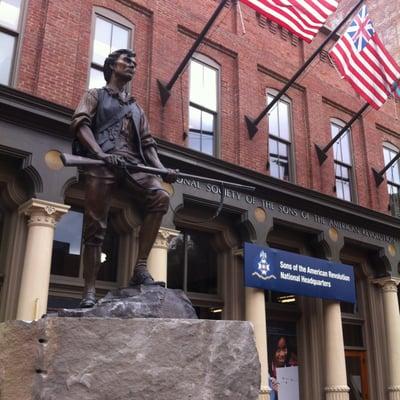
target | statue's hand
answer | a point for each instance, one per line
(171, 176)
(112, 159)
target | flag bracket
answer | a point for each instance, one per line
(165, 89)
(165, 92)
(251, 126)
(320, 154)
(378, 177)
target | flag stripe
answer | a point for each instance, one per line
(292, 24)
(370, 68)
(363, 92)
(364, 80)
(303, 18)
(364, 61)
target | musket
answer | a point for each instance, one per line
(70, 160)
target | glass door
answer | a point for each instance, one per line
(356, 368)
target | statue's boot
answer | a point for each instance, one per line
(147, 236)
(142, 276)
(91, 262)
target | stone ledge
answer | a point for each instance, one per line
(130, 359)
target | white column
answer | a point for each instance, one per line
(255, 313)
(392, 328)
(335, 368)
(43, 216)
(158, 257)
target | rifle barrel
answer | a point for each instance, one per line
(70, 160)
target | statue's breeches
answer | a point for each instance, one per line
(145, 190)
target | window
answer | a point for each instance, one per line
(279, 141)
(193, 267)
(10, 20)
(108, 37)
(342, 163)
(392, 177)
(203, 106)
(67, 250)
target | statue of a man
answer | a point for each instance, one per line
(109, 125)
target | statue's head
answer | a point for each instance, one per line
(122, 62)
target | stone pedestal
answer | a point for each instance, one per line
(125, 359)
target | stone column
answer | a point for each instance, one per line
(43, 216)
(158, 257)
(255, 313)
(336, 378)
(392, 328)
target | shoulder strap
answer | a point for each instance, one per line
(117, 117)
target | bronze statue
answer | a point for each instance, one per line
(109, 125)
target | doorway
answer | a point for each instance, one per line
(357, 374)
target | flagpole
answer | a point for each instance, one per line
(379, 175)
(252, 123)
(322, 152)
(165, 88)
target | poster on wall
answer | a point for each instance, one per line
(283, 362)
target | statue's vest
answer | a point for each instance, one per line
(109, 116)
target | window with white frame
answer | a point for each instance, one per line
(203, 105)
(279, 138)
(10, 25)
(393, 173)
(110, 34)
(392, 177)
(342, 163)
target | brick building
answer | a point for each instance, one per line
(52, 51)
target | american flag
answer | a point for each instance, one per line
(364, 62)
(304, 18)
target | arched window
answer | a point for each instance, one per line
(392, 177)
(344, 185)
(280, 138)
(109, 32)
(203, 105)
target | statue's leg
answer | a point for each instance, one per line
(154, 202)
(147, 236)
(97, 204)
(91, 266)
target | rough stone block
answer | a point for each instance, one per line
(128, 359)
(138, 302)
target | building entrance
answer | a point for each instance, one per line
(357, 374)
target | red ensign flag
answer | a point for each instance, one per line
(304, 18)
(364, 62)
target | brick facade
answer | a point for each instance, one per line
(54, 61)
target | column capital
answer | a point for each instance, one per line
(42, 212)
(164, 236)
(388, 283)
(394, 389)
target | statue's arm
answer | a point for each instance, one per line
(82, 122)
